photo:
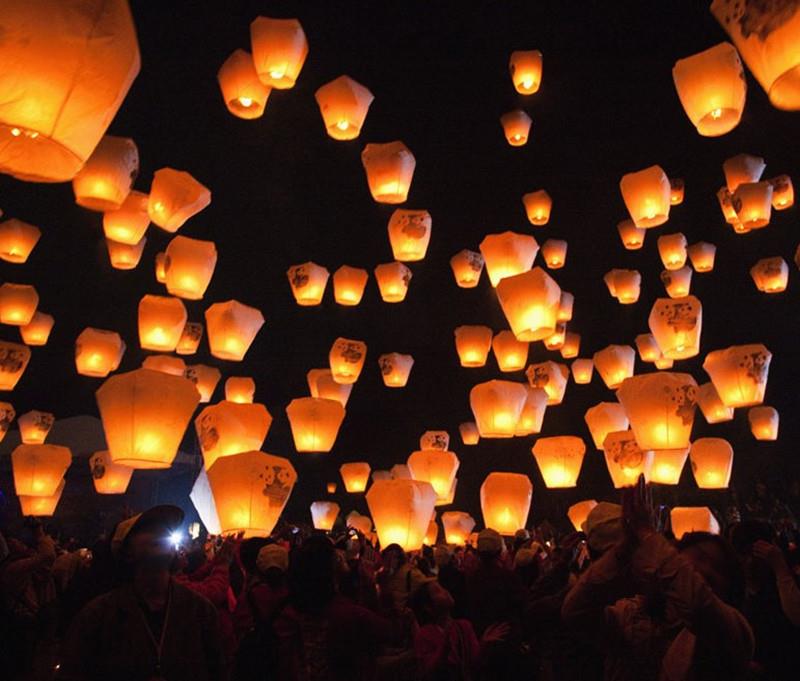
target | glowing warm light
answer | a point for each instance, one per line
(393, 279)
(469, 433)
(106, 178)
(346, 359)
(348, 285)
(615, 363)
(764, 422)
(39, 469)
(125, 256)
(240, 389)
(436, 467)
(98, 352)
(175, 196)
(37, 331)
(625, 460)
(507, 254)
(343, 104)
(559, 460)
(577, 513)
(550, 377)
(34, 426)
(409, 234)
(18, 303)
(771, 275)
(232, 328)
(473, 344)
(390, 169)
(605, 418)
(279, 49)
(712, 462)
(497, 406)
(582, 371)
(308, 282)
(530, 302)
(244, 94)
(457, 527)
(752, 202)
(467, 267)
(17, 240)
(516, 127)
(554, 252)
(109, 477)
(632, 236)
(676, 325)
(684, 519)
(315, 423)
(189, 266)
(525, 67)
(647, 196)
(739, 374)
(401, 511)
(782, 192)
(395, 369)
(532, 415)
(355, 476)
(668, 465)
(506, 501)
(161, 322)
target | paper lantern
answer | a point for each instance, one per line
(167, 364)
(175, 196)
(647, 347)
(525, 67)
(712, 89)
(346, 359)
(14, 359)
(7, 414)
(450, 496)
(202, 499)
(401, 511)
(467, 267)
(435, 439)
(205, 379)
(106, 178)
(469, 433)
(507, 254)
(145, 414)
(161, 322)
(771, 275)
(558, 337)
(625, 460)
(766, 36)
(244, 94)
(18, 303)
(676, 325)
(615, 363)
(315, 423)
(672, 249)
(554, 252)
(726, 206)
(473, 344)
(436, 467)
(510, 354)
(714, 411)
(125, 256)
(582, 370)
(308, 282)
(684, 519)
(532, 415)
(250, 491)
(398, 472)
(279, 50)
(660, 408)
(457, 527)
(37, 331)
(160, 262)
(34, 427)
(625, 285)
(232, 327)
(712, 461)
(362, 523)
(577, 513)
(355, 476)
(667, 466)
(677, 189)
(67, 68)
(559, 460)
(409, 234)
(343, 104)
(739, 374)
(530, 302)
(190, 338)
(322, 384)
(782, 193)
(497, 406)
(109, 477)
(752, 202)
(128, 223)
(39, 469)
(506, 501)
(516, 127)
(664, 363)
(646, 194)
(764, 422)
(390, 169)
(240, 389)
(98, 352)
(17, 240)
(742, 169)
(632, 236)
(41, 506)
(324, 514)
(572, 345)
(550, 377)
(393, 279)
(605, 418)
(538, 206)
(348, 285)
(189, 266)
(702, 256)
(395, 369)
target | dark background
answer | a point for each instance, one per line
(284, 193)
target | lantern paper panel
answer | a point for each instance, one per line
(355, 476)
(615, 363)
(668, 465)
(578, 513)
(510, 354)
(436, 467)
(710, 403)
(389, 168)
(308, 282)
(41, 506)
(550, 377)
(395, 369)
(557, 339)
(175, 196)
(34, 426)
(109, 477)
(324, 514)
(161, 322)
(532, 415)
(467, 267)
(331, 488)
(506, 501)
(530, 303)
(393, 279)
(457, 527)
(232, 327)
(632, 236)
(14, 359)
(125, 256)
(190, 338)
(676, 325)
(346, 359)
(559, 459)
(449, 497)
(764, 422)
(685, 519)
(105, 180)
(349, 284)
(771, 275)
(739, 373)
(605, 418)
(17, 240)
(525, 67)
(98, 352)
(582, 370)
(343, 104)
(321, 384)
(189, 266)
(244, 94)
(625, 460)
(401, 511)
(473, 344)
(409, 234)
(538, 206)
(279, 49)
(516, 127)
(18, 303)
(647, 196)
(39, 469)
(37, 331)
(507, 254)
(469, 433)
(315, 423)
(712, 462)
(240, 389)
(497, 406)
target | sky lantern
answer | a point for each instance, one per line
(109, 477)
(664, 363)
(457, 527)
(435, 439)
(525, 67)
(572, 345)
(7, 414)
(582, 370)
(395, 369)
(343, 104)
(390, 169)
(752, 202)
(506, 501)
(190, 338)
(324, 514)
(764, 422)
(240, 389)
(556, 340)
(532, 415)
(41, 506)
(161, 322)
(702, 256)
(771, 275)
(615, 363)
(725, 199)
(647, 196)
(362, 523)
(203, 500)
(160, 263)
(632, 237)
(625, 285)
(782, 192)
(106, 178)
(739, 373)
(507, 254)
(279, 50)
(34, 426)
(436, 467)
(189, 266)
(685, 519)
(175, 196)
(401, 511)
(469, 433)
(37, 331)
(17, 240)
(355, 476)
(605, 418)
(315, 423)
(538, 206)
(308, 282)
(712, 462)
(128, 223)
(39, 469)
(672, 249)
(648, 347)
(244, 94)
(346, 359)
(767, 38)
(530, 302)
(550, 377)
(516, 127)
(409, 234)
(322, 384)
(668, 465)
(232, 327)
(125, 256)
(348, 285)
(554, 252)
(473, 344)
(467, 267)
(565, 305)
(677, 189)
(676, 325)
(67, 68)
(742, 169)
(625, 460)
(660, 407)
(205, 379)
(559, 460)
(18, 303)
(393, 279)
(714, 411)
(497, 406)
(98, 352)
(510, 354)
(449, 497)
(14, 359)
(712, 89)
(577, 513)
(165, 363)
(250, 491)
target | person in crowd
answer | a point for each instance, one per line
(451, 576)
(266, 589)
(397, 579)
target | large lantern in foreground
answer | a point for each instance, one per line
(578, 513)
(98, 352)
(538, 205)
(244, 94)
(467, 267)
(739, 373)
(393, 279)
(41, 506)
(232, 327)
(39, 469)
(510, 354)
(615, 363)
(684, 519)
(17, 240)
(37, 331)
(175, 196)
(436, 467)
(530, 302)
(457, 527)
(343, 104)
(14, 358)
(109, 477)
(605, 418)
(507, 254)
(105, 180)
(676, 325)
(473, 344)
(390, 169)
(714, 411)
(395, 369)
(229, 428)
(324, 514)
(348, 285)
(497, 406)
(346, 359)
(516, 127)
(315, 423)
(355, 476)
(34, 426)
(189, 266)
(279, 50)
(401, 511)
(525, 67)
(764, 422)
(322, 384)
(18, 303)
(308, 282)
(559, 459)
(647, 196)
(161, 322)
(625, 460)
(712, 462)
(506, 501)
(409, 234)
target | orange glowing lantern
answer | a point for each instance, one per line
(511, 354)
(625, 460)
(473, 344)
(525, 67)
(98, 352)
(646, 194)
(308, 282)
(676, 191)
(726, 206)
(343, 104)
(436, 467)
(240, 389)
(469, 433)
(395, 369)
(752, 202)
(244, 94)
(409, 234)
(346, 359)
(559, 460)
(506, 501)
(685, 519)
(161, 275)
(7, 414)
(516, 127)
(228, 428)
(497, 406)
(393, 279)
(664, 363)
(39, 469)
(702, 256)
(782, 192)
(125, 256)
(17, 240)
(605, 418)
(457, 527)
(401, 511)
(175, 196)
(232, 327)
(615, 363)
(190, 338)
(507, 254)
(348, 285)
(167, 364)
(712, 462)
(771, 275)
(742, 169)
(109, 477)
(37, 331)
(279, 50)
(582, 370)
(106, 178)
(362, 523)
(558, 338)
(467, 267)
(128, 223)
(551, 378)
(739, 374)
(538, 206)
(676, 325)
(632, 236)
(577, 513)
(624, 285)
(668, 465)
(530, 302)
(565, 304)
(161, 322)
(189, 266)
(554, 252)
(205, 379)
(390, 169)
(322, 384)
(672, 249)
(18, 303)
(14, 359)
(647, 347)
(324, 514)
(34, 426)
(315, 423)
(714, 411)
(532, 415)
(41, 506)
(435, 439)
(764, 422)
(572, 345)
(355, 476)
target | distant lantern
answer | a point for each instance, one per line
(726, 206)
(712, 462)
(175, 196)
(771, 275)
(538, 206)
(161, 275)
(676, 325)
(632, 236)
(739, 373)
(7, 414)
(672, 249)
(582, 370)
(14, 359)
(355, 476)
(362, 523)
(742, 169)
(764, 422)
(435, 439)
(393, 279)
(18, 303)
(510, 354)
(244, 94)
(250, 491)
(145, 414)
(497, 406)
(712, 89)
(565, 304)
(106, 178)
(558, 337)
(615, 363)
(390, 169)
(324, 514)
(530, 302)
(315, 423)
(343, 104)
(41, 506)
(605, 418)
(279, 50)
(34, 426)
(401, 511)
(525, 67)
(507, 254)
(467, 267)
(714, 411)
(559, 460)
(668, 465)
(128, 223)
(677, 188)
(395, 369)
(702, 256)
(648, 347)
(308, 282)
(660, 407)
(625, 460)
(782, 193)
(752, 202)
(577, 513)
(506, 501)
(232, 327)
(37, 331)
(161, 322)
(457, 527)
(189, 266)
(205, 379)
(469, 433)
(17, 240)
(409, 234)
(572, 345)
(322, 384)
(550, 377)
(166, 364)
(39, 469)
(646, 194)
(349, 284)
(685, 519)
(627, 285)
(109, 477)
(190, 338)
(554, 252)
(67, 68)
(125, 256)
(240, 389)
(532, 415)
(98, 352)
(473, 344)
(516, 127)
(346, 359)
(436, 467)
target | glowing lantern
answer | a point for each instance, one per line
(348, 285)
(752, 202)
(343, 104)
(538, 206)
(557, 339)
(14, 359)
(17, 240)
(782, 192)
(473, 344)
(726, 206)
(145, 414)
(467, 267)
(577, 513)
(605, 418)
(409, 234)
(450, 496)
(647, 347)
(190, 338)
(625, 460)
(250, 491)
(397, 472)
(189, 266)
(676, 325)
(279, 50)
(128, 223)
(18, 303)
(109, 477)
(667, 465)
(525, 67)
(582, 370)
(390, 169)
(393, 279)
(532, 415)
(497, 406)
(362, 523)
(315, 423)
(684, 519)
(739, 374)
(516, 127)
(98, 352)
(712, 89)
(322, 384)
(435, 439)
(41, 505)
(232, 327)
(324, 514)
(572, 345)
(712, 461)
(167, 364)
(205, 379)
(175, 196)
(549, 377)
(672, 249)
(771, 275)
(37, 331)
(676, 191)
(34, 426)
(436, 467)
(401, 511)
(203, 501)
(469, 433)
(507, 254)
(632, 236)
(457, 526)
(614, 364)
(664, 363)
(554, 252)
(764, 422)
(702, 255)
(125, 256)
(308, 282)
(530, 302)
(559, 460)
(646, 194)
(511, 354)
(355, 476)
(39, 469)
(240, 389)
(7, 414)
(347, 359)
(161, 322)
(244, 94)
(506, 501)
(565, 304)
(625, 285)
(105, 180)
(742, 169)
(161, 275)
(68, 66)
(714, 411)
(395, 369)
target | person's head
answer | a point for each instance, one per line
(716, 560)
(272, 563)
(603, 528)
(490, 544)
(312, 574)
(430, 601)
(743, 535)
(393, 557)
(521, 538)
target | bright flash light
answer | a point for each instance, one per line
(175, 538)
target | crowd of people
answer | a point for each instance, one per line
(623, 600)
